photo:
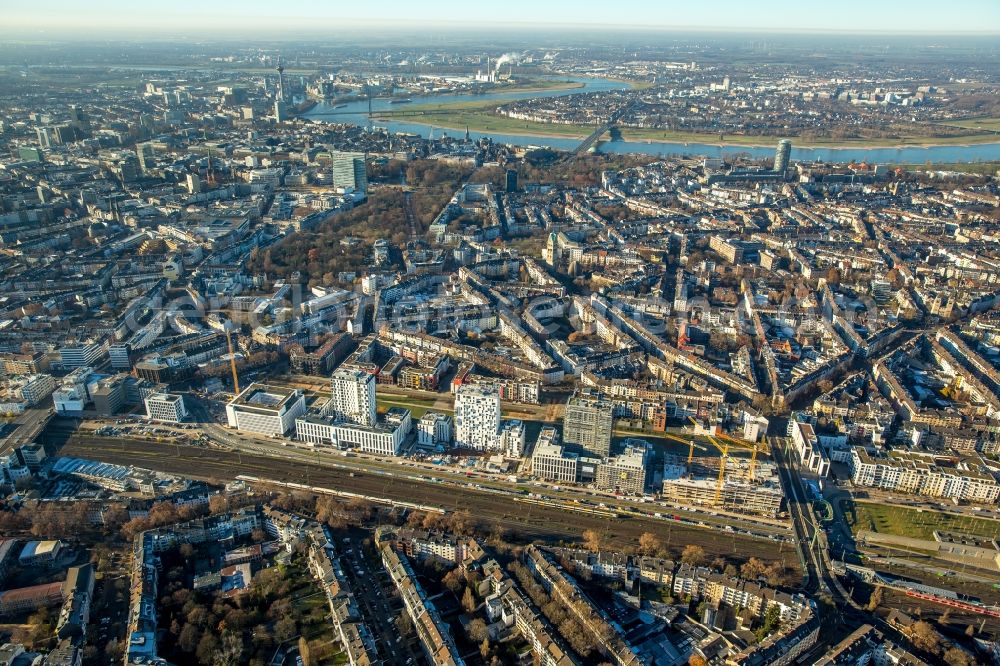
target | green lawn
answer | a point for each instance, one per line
(479, 117)
(986, 124)
(900, 521)
(417, 408)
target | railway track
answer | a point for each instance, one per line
(534, 521)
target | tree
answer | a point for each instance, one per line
(112, 650)
(697, 660)
(404, 624)
(649, 544)
(198, 616)
(304, 651)
(925, 637)
(461, 522)
(207, 647)
(468, 601)
(772, 620)
(753, 568)
(694, 555)
(875, 600)
(331, 512)
(477, 630)
(189, 638)
(454, 580)
(285, 629)
(218, 503)
(956, 656)
(592, 540)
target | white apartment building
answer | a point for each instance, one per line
(512, 438)
(477, 418)
(166, 407)
(626, 472)
(433, 429)
(268, 410)
(919, 475)
(811, 453)
(25, 391)
(353, 397)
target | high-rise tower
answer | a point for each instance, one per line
(782, 155)
(281, 83)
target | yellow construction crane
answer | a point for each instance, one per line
(728, 441)
(723, 459)
(232, 362)
(744, 444)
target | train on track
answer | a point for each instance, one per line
(570, 506)
(937, 595)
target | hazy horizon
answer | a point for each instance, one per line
(230, 18)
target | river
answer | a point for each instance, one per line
(356, 113)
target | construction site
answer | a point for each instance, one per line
(725, 481)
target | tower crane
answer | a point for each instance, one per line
(232, 362)
(723, 459)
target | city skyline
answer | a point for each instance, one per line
(309, 16)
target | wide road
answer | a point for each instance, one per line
(799, 509)
(817, 560)
(541, 522)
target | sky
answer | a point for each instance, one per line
(880, 16)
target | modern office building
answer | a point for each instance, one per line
(512, 437)
(353, 397)
(72, 394)
(33, 388)
(166, 407)
(146, 155)
(108, 394)
(349, 172)
(119, 355)
(268, 410)
(550, 461)
(588, 422)
(511, 180)
(80, 355)
(782, 155)
(383, 438)
(477, 417)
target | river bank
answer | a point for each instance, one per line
(473, 116)
(458, 113)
